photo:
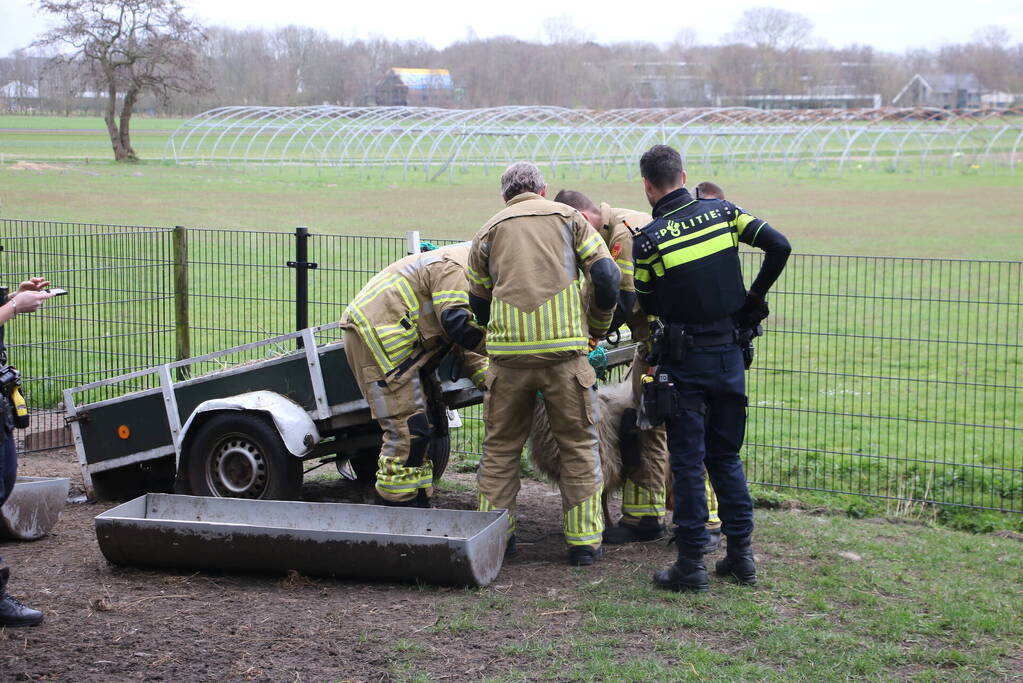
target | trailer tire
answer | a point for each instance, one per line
(241, 455)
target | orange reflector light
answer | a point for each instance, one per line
(123, 431)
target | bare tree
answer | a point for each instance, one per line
(130, 47)
(771, 28)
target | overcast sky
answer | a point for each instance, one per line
(890, 25)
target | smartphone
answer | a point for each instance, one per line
(56, 291)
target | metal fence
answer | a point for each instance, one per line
(887, 377)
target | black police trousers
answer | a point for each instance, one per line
(709, 433)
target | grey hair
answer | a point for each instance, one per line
(522, 176)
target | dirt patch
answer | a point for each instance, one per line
(36, 166)
(113, 623)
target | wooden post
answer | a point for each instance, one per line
(182, 329)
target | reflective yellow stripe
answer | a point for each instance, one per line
(691, 236)
(450, 296)
(480, 279)
(742, 221)
(584, 523)
(394, 477)
(626, 267)
(587, 248)
(486, 506)
(697, 251)
(640, 502)
(556, 325)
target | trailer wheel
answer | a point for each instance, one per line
(240, 455)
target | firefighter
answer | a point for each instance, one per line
(522, 273)
(397, 330)
(688, 274)
(644, 451)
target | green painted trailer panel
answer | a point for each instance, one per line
(144, 418)
(338, 379)
(289, 377)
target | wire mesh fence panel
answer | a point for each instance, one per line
(887, 377)
(897, 378)
(118, 315)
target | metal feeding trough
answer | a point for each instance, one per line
(33, 508)
(455, 547)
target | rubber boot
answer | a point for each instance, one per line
(12, 612)
(648, 529)
(511, 548)
(715, 540)
(583, 555)
(421, 500)
(688, 574)
(738, 563)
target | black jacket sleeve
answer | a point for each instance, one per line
(776, 253)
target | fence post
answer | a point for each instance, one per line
(302, 266)
(182, 328)
(413, 241)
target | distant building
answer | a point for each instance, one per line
(816, 97)
(403, 87)
(17, 96)
(945, 91)
(665, 84)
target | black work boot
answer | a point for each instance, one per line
(738, 563)
(688, 574)
(715, 540)
(583, 555)
(648, 529)
(421, 500)
(511, 548)
(12, 612)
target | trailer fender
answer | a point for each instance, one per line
(297, 429)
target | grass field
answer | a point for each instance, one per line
(838, 379)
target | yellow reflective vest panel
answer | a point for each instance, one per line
(398, 312)
(525, 261)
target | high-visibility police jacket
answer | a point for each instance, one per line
(524, 261)
(415, 305)
(687, 259)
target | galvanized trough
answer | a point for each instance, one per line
(33, 508)
(454, 547)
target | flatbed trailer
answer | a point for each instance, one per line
(244, 431)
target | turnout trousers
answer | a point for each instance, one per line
(643, 492)
(709, 433)
(569, 391)
(401, 407)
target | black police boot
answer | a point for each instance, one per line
(738, 563)
(583, 555)
(688, 574)
(715, 541)
(511, 549)
(648, 529)
(12, 612)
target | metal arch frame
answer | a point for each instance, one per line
(565, 139)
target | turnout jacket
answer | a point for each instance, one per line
(416, 305)
(523, 266)
(687, 259)
(615, 224)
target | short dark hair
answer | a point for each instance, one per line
(708, 190)
(662, 166)
(577, 200)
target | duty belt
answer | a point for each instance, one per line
(671, 342)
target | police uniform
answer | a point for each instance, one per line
(398, 327)
(688, 274)
(522, 273)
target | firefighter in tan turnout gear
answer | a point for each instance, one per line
(397, 329)
(644, 451)
(522, 272)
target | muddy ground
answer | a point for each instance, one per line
(108, 623)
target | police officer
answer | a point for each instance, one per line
(688, 274)
(29, 297)
(644, 451)
(522, 273)
(398, 328)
